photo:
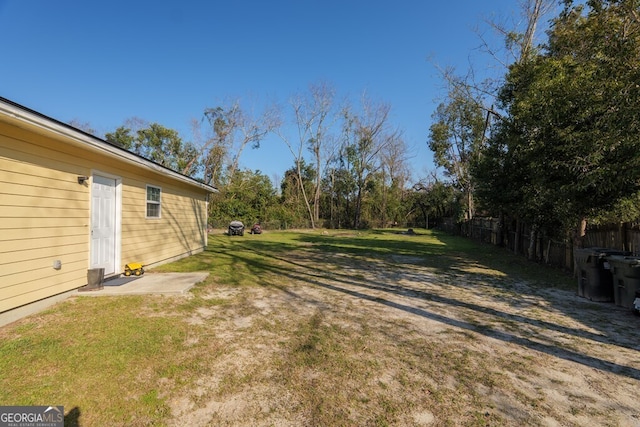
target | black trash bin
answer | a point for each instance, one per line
(626, 279)
(595, 281)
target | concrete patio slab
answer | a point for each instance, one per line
(149, 283)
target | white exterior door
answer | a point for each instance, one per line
(103, 224)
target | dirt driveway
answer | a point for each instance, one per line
(401, 340)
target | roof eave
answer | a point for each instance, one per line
(33, 119)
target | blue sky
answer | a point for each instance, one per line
(105, 61)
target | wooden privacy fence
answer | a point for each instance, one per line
(623, 237)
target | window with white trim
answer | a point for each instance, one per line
(153, 201)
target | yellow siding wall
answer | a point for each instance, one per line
(45, 216)
(180, 230)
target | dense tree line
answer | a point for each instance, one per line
(562, 145)
(349, 163)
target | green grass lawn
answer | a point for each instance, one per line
(121, 361)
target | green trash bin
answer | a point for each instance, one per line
(595, 281)
(626, 279)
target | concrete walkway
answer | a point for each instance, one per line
(149, 283)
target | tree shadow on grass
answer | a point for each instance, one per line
(314, 270)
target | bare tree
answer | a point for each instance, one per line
(319, 121)
(394, 159)
(367, 134)
(136, 123)
(313, 117)
(232, 129)
(519, 41)
(83, 126)
(519, 35)
(296, 148)
(395, 174)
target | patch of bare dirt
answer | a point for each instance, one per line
(346, 341)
